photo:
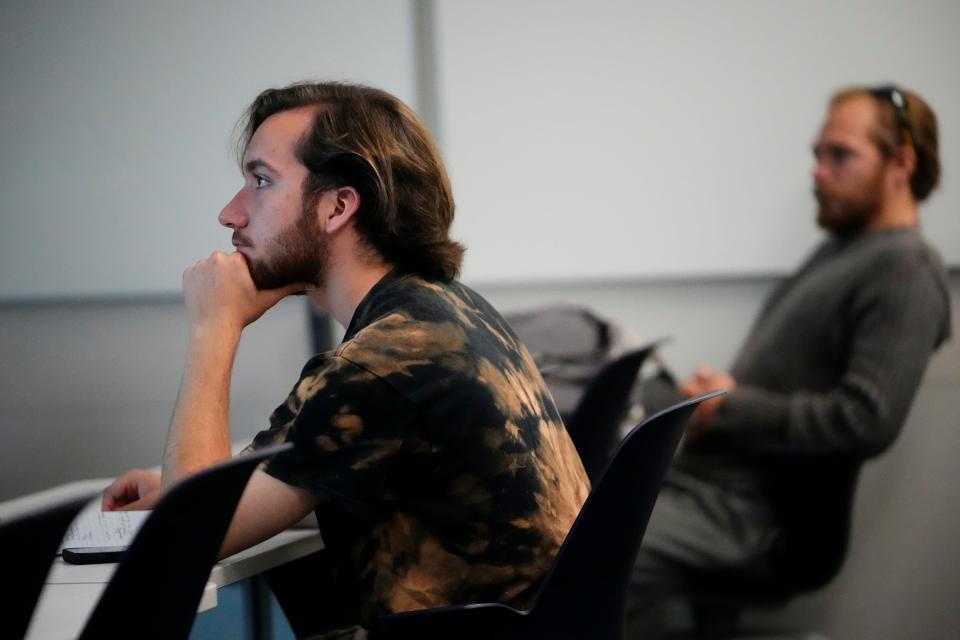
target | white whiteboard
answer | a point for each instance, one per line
(116, 119)
(584, 140)
(624, 139)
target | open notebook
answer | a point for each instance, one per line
(96, 528)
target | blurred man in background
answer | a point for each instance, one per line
(829, 370)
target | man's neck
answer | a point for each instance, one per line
(347, 283)
(896, 212)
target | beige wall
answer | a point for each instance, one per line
(88, 388)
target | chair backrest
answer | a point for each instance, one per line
(584, 594)
(813, 501)
(815, 507)
(594, 425)
(30, 542)
(159, 580)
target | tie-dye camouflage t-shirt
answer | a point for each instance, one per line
(444, 471)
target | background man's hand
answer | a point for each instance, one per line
(135, 490)
(219, 292)
(703, 380)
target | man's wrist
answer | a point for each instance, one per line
(215, 333)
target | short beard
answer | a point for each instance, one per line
(298, 255)
(851, 217)
(848, 215)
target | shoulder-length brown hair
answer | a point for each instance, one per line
(370, 140)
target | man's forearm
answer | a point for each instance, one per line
(199, 430)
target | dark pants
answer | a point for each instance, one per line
(699, 526)
(317, 604)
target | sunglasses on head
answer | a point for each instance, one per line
(896, 97)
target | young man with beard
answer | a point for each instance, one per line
(427, 443)
(832, 363)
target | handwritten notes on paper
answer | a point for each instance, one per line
(96, 528)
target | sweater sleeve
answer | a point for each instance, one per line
(895, 321)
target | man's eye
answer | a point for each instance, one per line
(839, 155)
(835, 155)
(260, 182)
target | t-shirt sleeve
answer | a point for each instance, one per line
(347, 425)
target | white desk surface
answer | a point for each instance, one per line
(72, 591)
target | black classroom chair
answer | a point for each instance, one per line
(583, 595)
(815, 510)
(30, 541)
(160, 578)
(594, 426)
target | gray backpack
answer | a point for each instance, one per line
(570, 344)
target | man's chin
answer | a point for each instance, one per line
(826, 219)
(264, 280)
(840, 225)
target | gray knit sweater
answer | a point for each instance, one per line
(834, 359)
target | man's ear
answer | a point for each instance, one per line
(906, 159)
(343, 205)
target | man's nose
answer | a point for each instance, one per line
(819, 171)
(233, 215)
